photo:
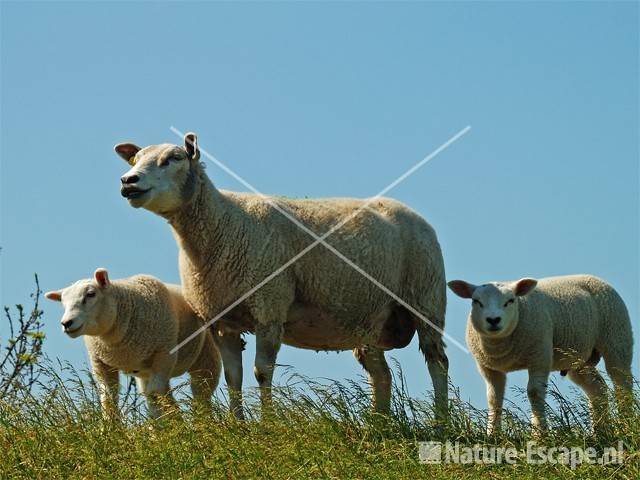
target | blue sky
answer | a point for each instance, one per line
(328, 99)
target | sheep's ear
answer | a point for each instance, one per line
(191, 146)
(127, 151)
(462, 288)
(524, 286)
(102, 277)
(55, 296)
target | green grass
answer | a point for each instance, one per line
(314, 431)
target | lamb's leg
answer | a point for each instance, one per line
(496, 382)
(268, 341)
(618, 365)
(108, 380)
(373, 361)
(595, 387)
(231, 345)
(156, 387)
(205, 374)
(537, 393)
(156, 390)
(432, 347)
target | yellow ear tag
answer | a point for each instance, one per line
(132, 161)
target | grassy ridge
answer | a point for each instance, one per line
(314, 431)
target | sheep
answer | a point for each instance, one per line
(129, 326)
(239, 246)
(558, 323)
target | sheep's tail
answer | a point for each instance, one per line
(435, 305)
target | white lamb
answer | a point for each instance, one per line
(130, 325)
(232, 242)
(559, 323)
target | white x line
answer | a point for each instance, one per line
(320, 239)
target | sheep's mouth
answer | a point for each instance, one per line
(494, 328)
(133, 192)
(73, 330)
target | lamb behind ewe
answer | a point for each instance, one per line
(239, 246)
(557, 323)
(130, 325)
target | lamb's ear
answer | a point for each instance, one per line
(127, 151)
(191, 146)
(102, 277)
(524, 286)
(55, 296)
(461, 288)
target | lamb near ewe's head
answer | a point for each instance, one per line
(130, 325)
(161, 177)
(87, 310)
(494, 310)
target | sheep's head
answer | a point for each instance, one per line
(88, 307)
(494, 306)
(161, 178)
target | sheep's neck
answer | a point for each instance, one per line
(200, 224)
(125, 311)
(497, 348)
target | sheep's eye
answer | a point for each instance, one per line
(509, 302)
(168, 160)
(477, 302)
(91, 294)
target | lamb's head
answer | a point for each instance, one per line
(89, 309)
(162, 177)
(494, 306)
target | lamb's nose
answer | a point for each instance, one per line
(67, 323)
(494, 321)
(129, 179)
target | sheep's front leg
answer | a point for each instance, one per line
(537, 392)
(496, 382)
(108, 380)
(268, 341)
(231, 346)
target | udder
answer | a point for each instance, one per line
(314, 328)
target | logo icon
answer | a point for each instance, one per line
(430, 452)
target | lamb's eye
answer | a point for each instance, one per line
(477, 302)
(509, 302)
(91, 294)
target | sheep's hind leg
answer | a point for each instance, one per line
(156, 390)
(268, 341)
(537, 393)
(618, 365)
(205, 374)
(373, 361)
(432, 347)
(231, 346)
(595, 387)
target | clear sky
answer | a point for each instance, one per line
(328, 99)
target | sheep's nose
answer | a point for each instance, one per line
(493, 321)
(67, 323)
(129, 179)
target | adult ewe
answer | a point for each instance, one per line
(230, 242)
(557, 323)
(131, 325)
